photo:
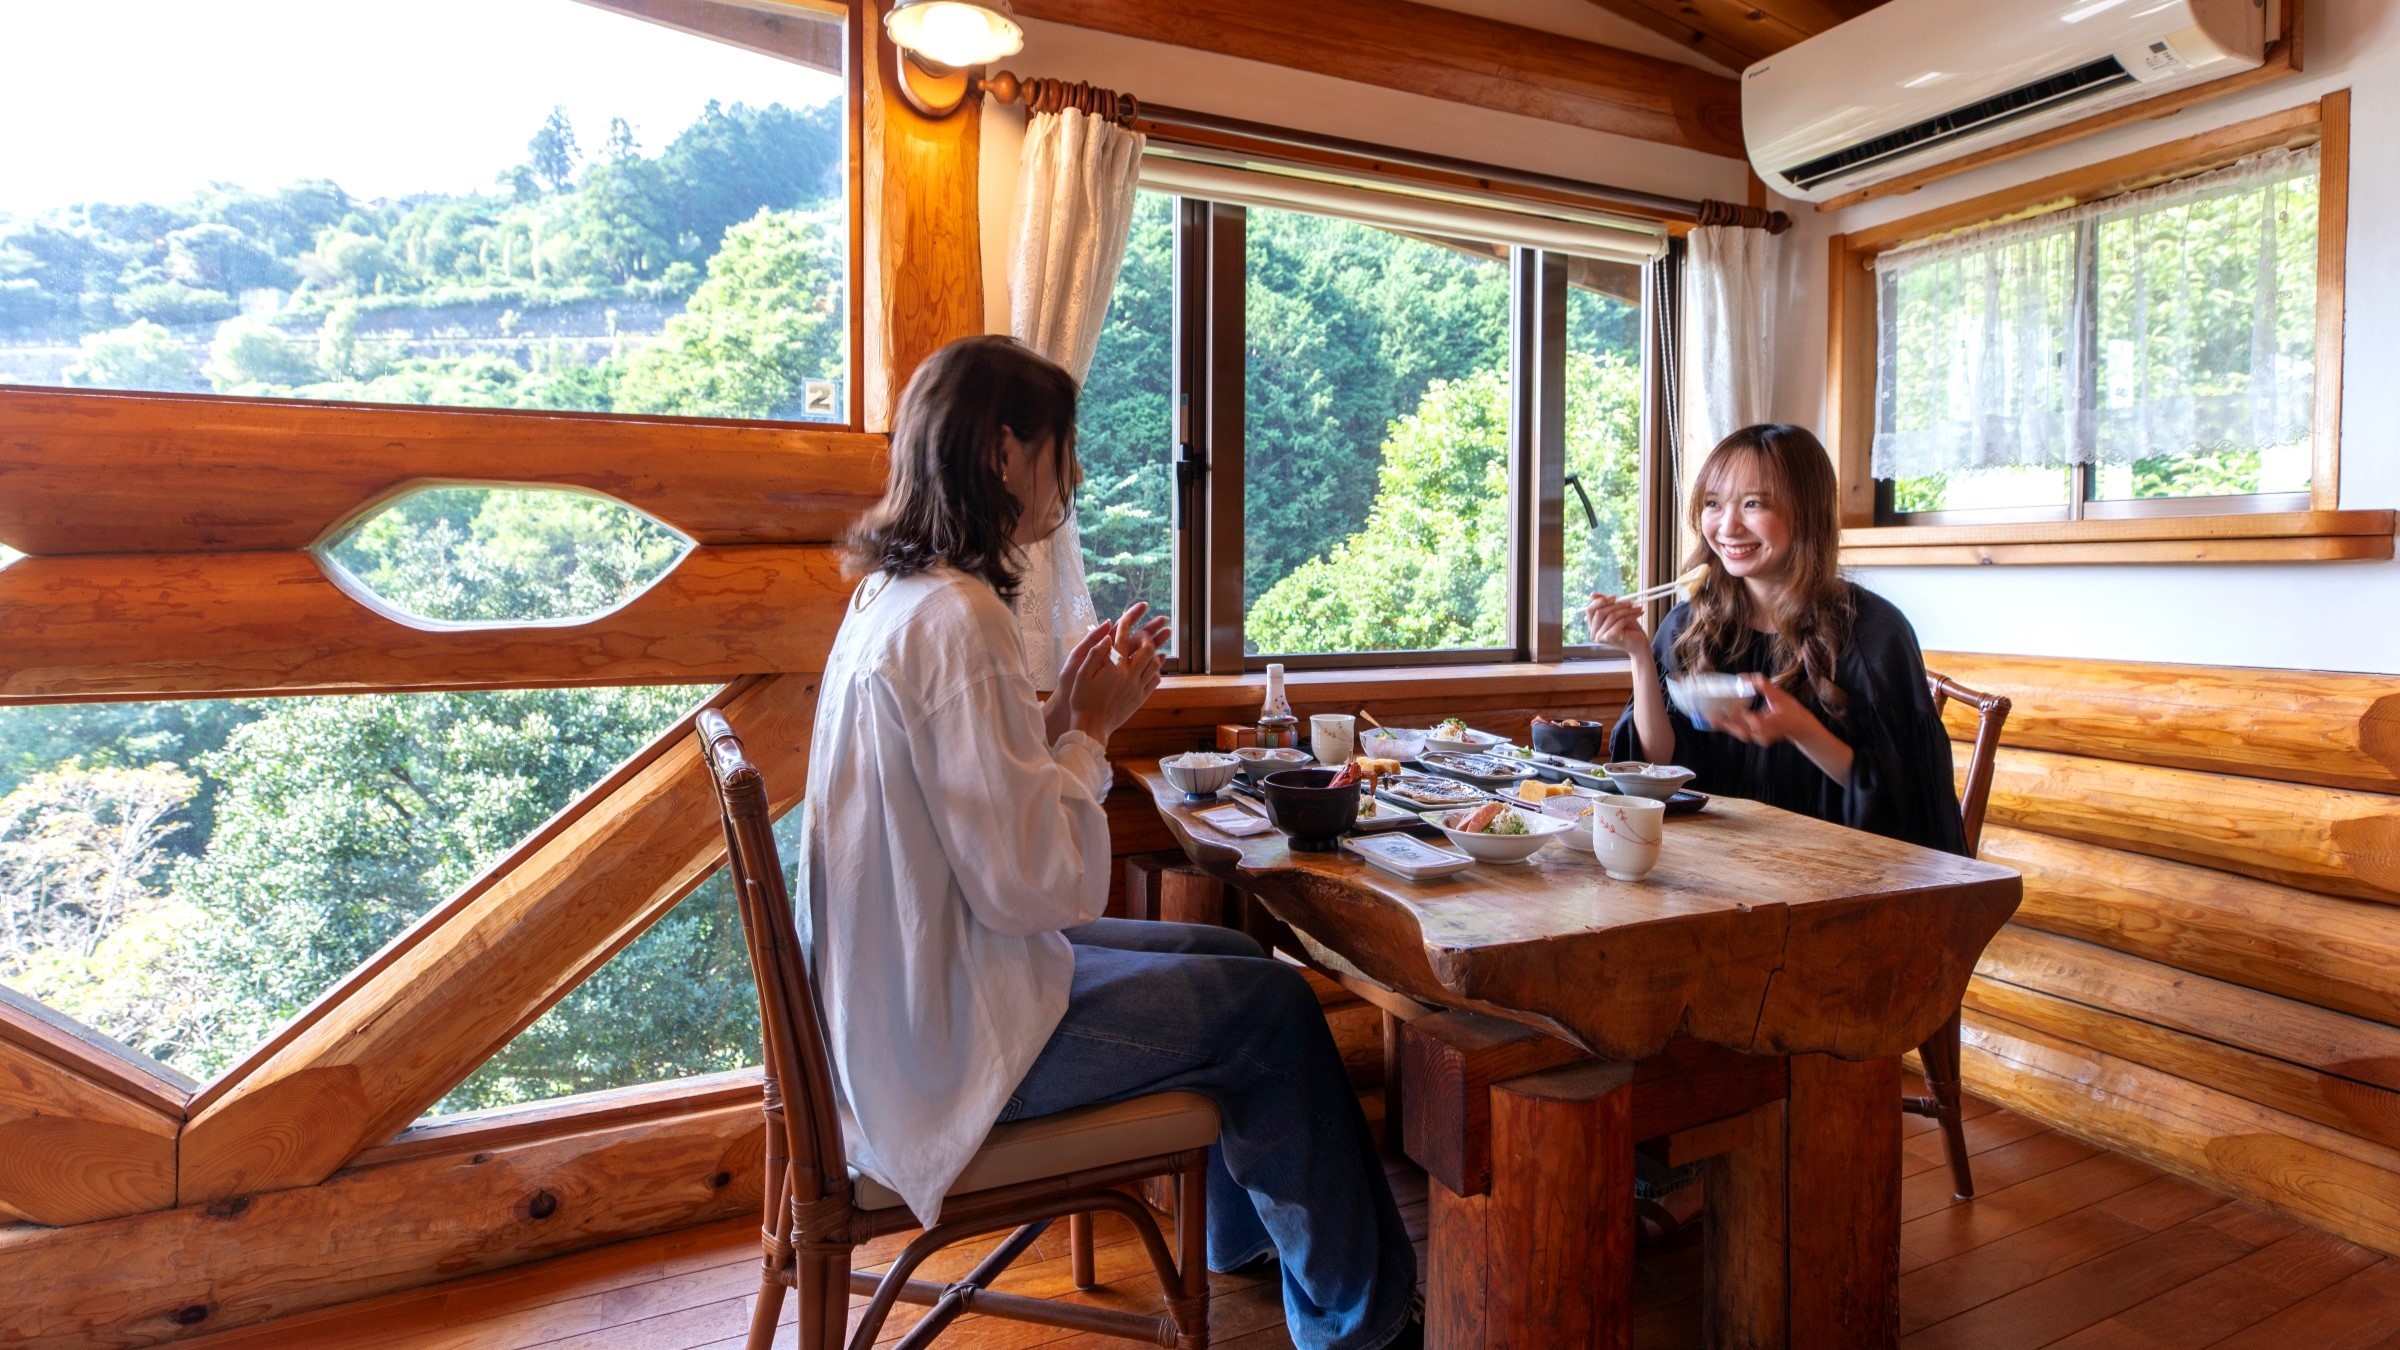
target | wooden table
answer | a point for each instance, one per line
(1747, 1003)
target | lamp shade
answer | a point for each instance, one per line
(955, 33)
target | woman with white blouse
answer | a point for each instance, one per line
(958, 862)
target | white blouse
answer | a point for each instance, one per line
(948, 843)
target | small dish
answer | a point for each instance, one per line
(1709, 695)
(1414, 859)
(1656, 781)
(1575, 808)
(1259, 761)
(1376, 815)
(1687, 803)
(1484, 771)
(1464, 741)
(1201, 774)
(1390, 742)
(1503, 848)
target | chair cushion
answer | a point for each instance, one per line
(1091, 1136)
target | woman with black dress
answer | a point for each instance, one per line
(1843, 727)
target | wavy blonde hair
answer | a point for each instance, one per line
(1812, 622)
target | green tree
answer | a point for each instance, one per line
(499, 555)
(553, 150)
(254, 356)
(1125, 427)
(769, 318)
(141, 355)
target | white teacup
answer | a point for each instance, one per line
(1332, 738)
(1626, 833)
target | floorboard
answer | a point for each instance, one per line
(2064, 1245)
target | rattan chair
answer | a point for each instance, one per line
(1940, 1051)
(1027, 1175)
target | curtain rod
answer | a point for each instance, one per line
(1167, 119)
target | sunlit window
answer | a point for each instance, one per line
(1604, 438)
(477, 203)
(1125, 427)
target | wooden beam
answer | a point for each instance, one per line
(2211, 549)
(178, 625)
(88, 471)
(1737, 33)
(2331, 952)
(372, 1064)
(2298, 726)
(1442, 54)
(923, 267)
(2328, 840)
(2323, 1177)
(49, 1034)
(801, 34)
(185, 1272)
(75, 1146)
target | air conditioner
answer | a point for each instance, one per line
(1916, 82)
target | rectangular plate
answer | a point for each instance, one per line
(1413, 859)
(1466, 795)
(1388, 816)
(1484, 771)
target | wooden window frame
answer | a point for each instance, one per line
(1209, 396)
(2250, 528)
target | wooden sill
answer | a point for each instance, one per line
(1368, 683)
(2277, 536)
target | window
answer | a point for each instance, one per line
(2152, 345)
(1364, 402)
(2086, 368)
(479, 203)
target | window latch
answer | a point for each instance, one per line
(1190, 466)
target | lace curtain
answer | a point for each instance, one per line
(1728, 335)
(1075, 191)
(2179, 320)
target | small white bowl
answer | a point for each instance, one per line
(1656, 781)
(1473, 743)
(1709, 695)
(1259, 761)
(1576, 809)
(1399, 743)
(1202, 773)
(1503, 848)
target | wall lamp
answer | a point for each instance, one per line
(943, 46)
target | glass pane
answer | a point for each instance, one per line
(1604, 442)
(497, 556)
(1125, 427)
(676, 1003)
(186, 876)
(2005, 488)
(2207, 343)
(1376, 439)
(567, 209)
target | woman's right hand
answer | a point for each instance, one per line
(1104, 688)
(1618, 623)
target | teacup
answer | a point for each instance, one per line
(1626, 833)
(1332, 737)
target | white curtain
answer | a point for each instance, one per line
(1728, 336)
(1075, 191)
(2179, 320)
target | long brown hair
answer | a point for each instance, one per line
(945, 500)
(1812, 622)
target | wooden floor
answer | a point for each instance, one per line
(2066, 1246)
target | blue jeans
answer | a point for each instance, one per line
(1160, 1007)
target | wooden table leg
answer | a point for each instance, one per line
(1545, 1259)
(1843, 1155)
(1746, 1286)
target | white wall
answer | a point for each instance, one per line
(1181, 77)
(2327, 616)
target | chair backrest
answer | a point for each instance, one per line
(1991, 713)
(799, 1075)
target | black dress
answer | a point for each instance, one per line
(1900, 783)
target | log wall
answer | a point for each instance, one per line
(2205, 972)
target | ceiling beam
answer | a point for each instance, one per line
(1441, 54)
(1737, 33)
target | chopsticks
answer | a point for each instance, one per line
(1666, 588)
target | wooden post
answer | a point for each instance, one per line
(1842, 1153)
(1746, 1285)
(1546, 1259)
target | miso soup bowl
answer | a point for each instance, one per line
(1314, 815)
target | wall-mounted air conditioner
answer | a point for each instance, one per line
(1915, 82)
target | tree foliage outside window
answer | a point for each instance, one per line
(185, 876)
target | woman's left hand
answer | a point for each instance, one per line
(1778, 718)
